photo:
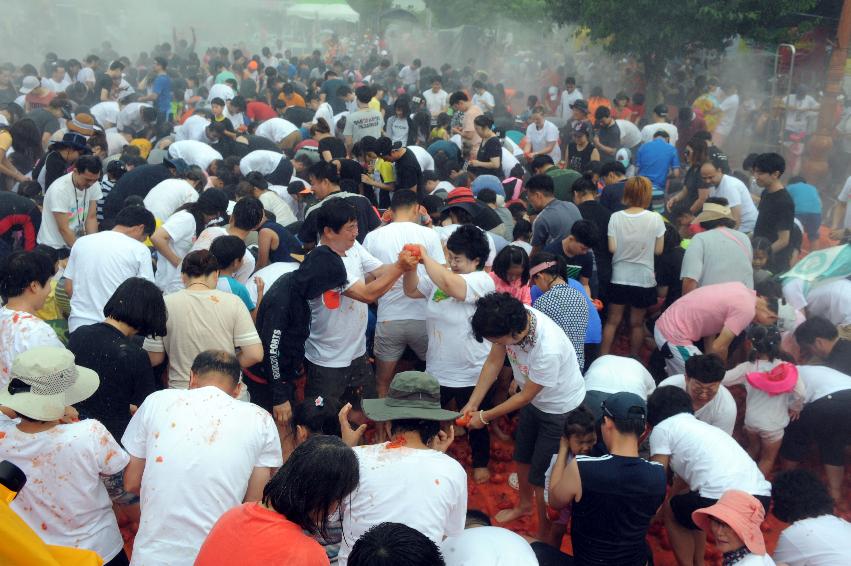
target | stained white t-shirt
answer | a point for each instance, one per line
(719, 412)
(338, 336)
(550, 362)
(64, 500)
(424, 489)
(62, 196)
(275, 129)
(493, 546)
(614, 374)
(98, 265)
(454, 357)
(263, 161)
(541, 138)
(194, 152)
(635, 236)
(20, 331)
(200, 447)
(385, 243)
(707, 458)
(180, 227)
(169, 195)
(817, 541)
(737, 194)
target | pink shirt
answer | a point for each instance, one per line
(518, 290)
(706, 311)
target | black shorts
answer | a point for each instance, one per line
(636, 297)
(685, 504)
(825, 421)
(350, 384)
(536, 439)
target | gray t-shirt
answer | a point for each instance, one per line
(361, 123)
(720, 255)
(554, 222)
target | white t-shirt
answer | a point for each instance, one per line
(541, 138)
(263, 161)
(719, 412)
(222, 91)
(424, 158)
(448, 230)
(454, 357)
(105, 113)
(205, 240)
(635, 236)
(484, 101)
(269, 275)
(818, 541)
(436, 102)
(169, 195)
(763, 411)
(180, 227)
(276, 205)
(327, 113)
(275, 129)
(130, 117)
(20, 331)
(831, 300)
(550, 362)
(737, 194)
(424, 489)
(64, 500)
(409, 76)
(614, 374)
(62, 196)
(568, 98)
(708, 459)
(86, 74)
(821, 381)
(213, 442)
(730, 107)
(493, 546)
(98, 265)
(193, 129)
(338, 336)
(630, 134)
(649, 130)
(799, 111)
(509, 162)
(194, 153)
(845, 196)
(385, 243)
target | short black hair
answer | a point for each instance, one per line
(392, 544)
(770, 163)
(403, 199)
(705, 368)
(477, 518)
(333, 472)
(130, 216)
(487, 196)
(324, 171)
(666, 402)
(583, 185)
(247, 213)
(815, 327)
(161, 61)
(138, 303)
(363, 94)
(799, 494)
(199, 263)
(427, 429)
(585, 232)
(540, 161)
(216, 361)
(88, 164)
(471, 242)
(522, 229)
(238, 102)
(498, 315)
(148, 114)
(19, 269)
(318, 416)
(227, 249)
(508, 257)
(457, 97)
(615, 167)
(579, 421)
(334, 215)
(540, 184)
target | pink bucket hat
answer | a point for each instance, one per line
(742, 512)
(781, 379)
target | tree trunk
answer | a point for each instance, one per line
(654, 70)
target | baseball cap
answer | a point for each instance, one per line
(28, 84)
(624, 406)
(661, 110)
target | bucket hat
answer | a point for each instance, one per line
(412, 395)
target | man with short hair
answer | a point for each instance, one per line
(818, 337)
(613, 175)
(563, 179)
(737, 194)
(613, 498)
(364, 121)
(409, 75)
(437, 99)
(482, 98)
(541, 137)
(576, 250)
(607, 134)
(711, 402)
(228, 447)
(460, 102)
(160, 93)
(660, 122)
(776, 218)
(70, 205)
(100, 262)
(554, 217)
(569, 95)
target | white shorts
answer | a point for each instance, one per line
(675, 356)
(766, 435)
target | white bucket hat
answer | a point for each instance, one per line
(44, 381)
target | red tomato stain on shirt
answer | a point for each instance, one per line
(214, 298)
(436, 482)
(159, 459)
(397, 442)
(104, 440)
(43, 526)
(109, 456)
(156, 435)
(2, 435)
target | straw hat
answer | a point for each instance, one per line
(82, 124)
(713, 211)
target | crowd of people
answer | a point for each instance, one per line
(252, 301)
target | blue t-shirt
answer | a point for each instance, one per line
(594, 332)
(655, 159)
(449, 148)
(162, 87)
(230, 285)
(805, 197)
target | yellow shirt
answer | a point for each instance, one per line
(385, 169)
(5, 140)
(375, 105)
(50, 310)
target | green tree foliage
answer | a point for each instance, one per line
(453, 13)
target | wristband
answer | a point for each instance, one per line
(482, 418)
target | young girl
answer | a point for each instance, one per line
(761, 259)
(511, 273)
(774, 394)
(440, 131)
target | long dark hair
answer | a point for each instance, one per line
(313, 482)
(26, 138)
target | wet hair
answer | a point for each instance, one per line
(705, 368)
(227, 249)
(471, 242)
(483, 121)
(199, 263)
(815, 327)
(799, 494)
(540, 184)
(217, 361)
(522, 229)
(666, 402)
(557, 270)
(427, 429)
(318, 416)
(395, 544)
(498, 315)
(19, 269)
(334, 215)
(320, 127)
(476, 518)
(138, 303)
(637, 192)
(579, 421)
(583, 186)
(585, 232)
(88, 164)
(403, 199)
(770, 163)
(247, 213)
(615, 167)
(457, 97)
(324, 171)
(134, 216)
(508, 257)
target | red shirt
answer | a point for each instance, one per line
(253, 534)
(259, 111)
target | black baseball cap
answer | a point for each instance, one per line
(624, 406)
(661, 110)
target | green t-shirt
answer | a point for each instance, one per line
(563, 180)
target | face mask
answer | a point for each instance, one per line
(624, 162)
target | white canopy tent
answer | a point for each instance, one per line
(324, 10)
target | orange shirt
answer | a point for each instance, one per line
(253, 534)
(294, 100)
(595, 102)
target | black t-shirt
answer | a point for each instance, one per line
(408, 172)
(330, 88)
(612, 197)
(44, 120)
(104, 82)
(620, 495)
(610, 137)
(840, 357)
(368, 219)
(139, 182)
(298, 115)
(334, 145)
(668, 268)
(579, 158)
(54, 167)
(776, 213)
(599, 215)
(578, 265)
(487, 151)
(124, 370)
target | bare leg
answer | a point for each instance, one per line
(544, 524)
(636, 330)
(753, 444)
(768, 455)
(682, 541)
(285, 433)
(556, 535)
(383, 376)
(524, 505)
(834, 475)
(611, 327)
